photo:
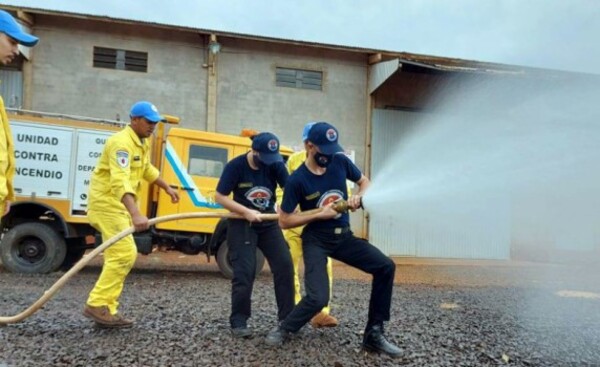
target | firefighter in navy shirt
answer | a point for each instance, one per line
(318, 184)
(253, 179)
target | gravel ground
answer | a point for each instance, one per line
(442, 315)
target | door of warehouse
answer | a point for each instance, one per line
(401, 238)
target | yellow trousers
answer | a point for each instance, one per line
(118, 259)
(295, 243)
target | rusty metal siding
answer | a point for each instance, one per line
(402, 235)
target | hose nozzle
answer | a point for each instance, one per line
(341, 206)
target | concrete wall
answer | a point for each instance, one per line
(65, 81)
(248, 96)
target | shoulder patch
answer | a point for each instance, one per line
(123, 158)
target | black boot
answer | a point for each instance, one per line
(241, 332)
(375, 341)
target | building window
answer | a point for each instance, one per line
(11, 86)
(110, 58)
(207, 161)
(296, 78)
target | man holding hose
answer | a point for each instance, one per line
(294, 241)
(318, 184)
(112, 207)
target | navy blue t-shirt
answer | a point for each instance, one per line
(315, 191)
(254, 189)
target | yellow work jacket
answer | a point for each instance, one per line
(7, 157)
(293, 162)
(124, 162)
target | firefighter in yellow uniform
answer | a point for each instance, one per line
(7, 163)
(292, 236)
(114, 189)
(11, 35)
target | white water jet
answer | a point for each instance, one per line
(502, 159)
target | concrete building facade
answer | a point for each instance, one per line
(374, 97)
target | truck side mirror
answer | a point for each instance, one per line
(169, 119)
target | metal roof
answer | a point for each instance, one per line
(419, 60)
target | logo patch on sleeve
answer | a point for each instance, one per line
(123, 158)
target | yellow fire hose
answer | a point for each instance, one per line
(338, 206)
(87, 258)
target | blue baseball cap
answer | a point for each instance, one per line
(10, 27)
(306, 130)
(146, 110)
(267, 145)
(325, 137)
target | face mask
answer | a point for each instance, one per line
(323, 160)
(257, 162)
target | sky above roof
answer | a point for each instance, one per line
(554, 34)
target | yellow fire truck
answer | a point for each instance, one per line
(47, 228)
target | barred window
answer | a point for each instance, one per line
(110, 58)
(296, 78)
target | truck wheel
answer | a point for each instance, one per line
(32, 248)
(225, 264)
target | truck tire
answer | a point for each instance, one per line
(225, 264)
(32, 248)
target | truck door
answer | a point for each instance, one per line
(194, 168)
(89, 148)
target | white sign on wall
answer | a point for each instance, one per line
(89, 149)
(42, 160)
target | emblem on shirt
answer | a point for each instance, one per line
(259, 197)
(329, 197)
(123, 158)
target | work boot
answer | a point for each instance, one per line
(101, 315)
(241, 332)
(375, 341)
(277, 336)
(323, 319)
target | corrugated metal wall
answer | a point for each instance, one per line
(11, 88)
(405, 238)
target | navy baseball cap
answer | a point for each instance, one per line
(267, 145)
(325, 137)
(11, 28)
(146, 110)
